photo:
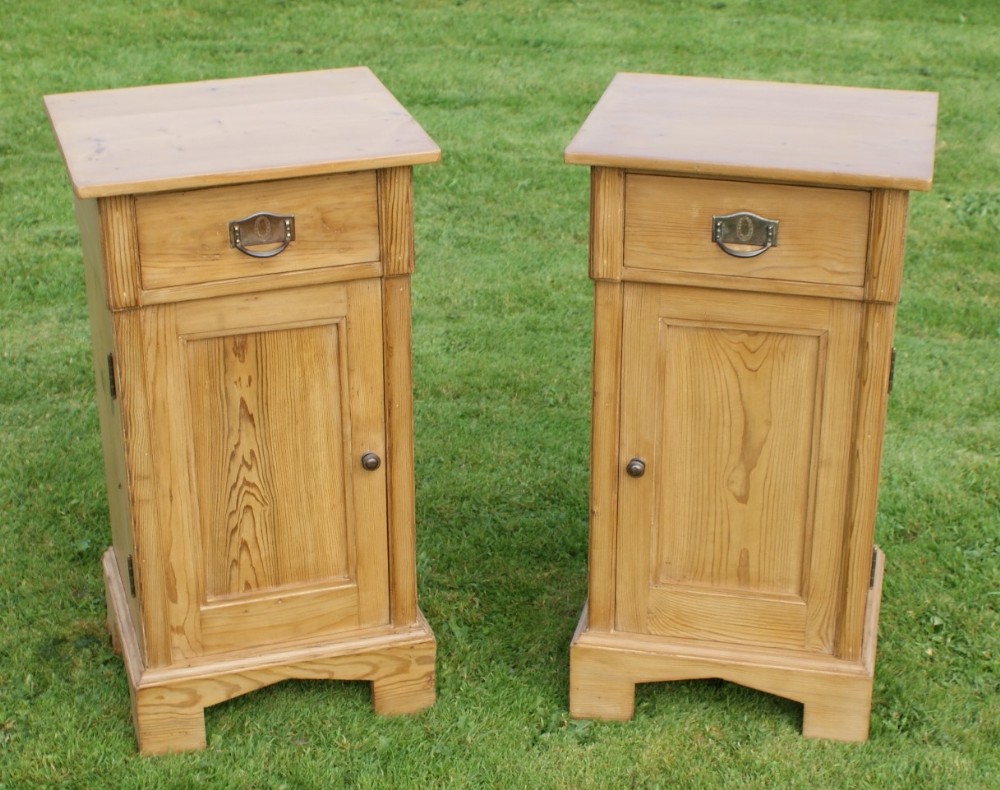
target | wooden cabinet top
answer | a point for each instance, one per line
(815, 134)
(181, 136)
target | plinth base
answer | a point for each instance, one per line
(836, 694)
(168, 704)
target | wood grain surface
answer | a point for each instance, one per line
(184, 236)
(822, 233)
(769, 131)
(167, 137)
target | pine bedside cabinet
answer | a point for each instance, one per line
(248, 245)
(746, 247)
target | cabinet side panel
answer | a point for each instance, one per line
(827, 553)
(366, 378)
(105, 364)
(607, 223)
(887, 238)
(866, 457)
(395, 205)
(133, 401)
(637, 439)
(121, 270)
(172, 484)
(395, 219)
(604, 451)
(121, 245)
(399, 448)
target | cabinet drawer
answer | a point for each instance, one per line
(184, 236)
(822, 234)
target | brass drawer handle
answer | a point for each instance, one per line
(747, 228)
(262, 228)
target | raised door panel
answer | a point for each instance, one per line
(740, 407)
(263, 406)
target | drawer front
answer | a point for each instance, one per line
(184, 236)
(822, 234)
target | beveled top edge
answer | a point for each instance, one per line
(156, 138)
(713, 127)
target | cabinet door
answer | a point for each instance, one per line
(262, 406)
(740, 407)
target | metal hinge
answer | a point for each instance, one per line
(892, 368)
(112, 386)
(131, 575)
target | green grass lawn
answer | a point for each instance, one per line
(501, 339)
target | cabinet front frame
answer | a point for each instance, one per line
(883, 267)
(117, 304)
